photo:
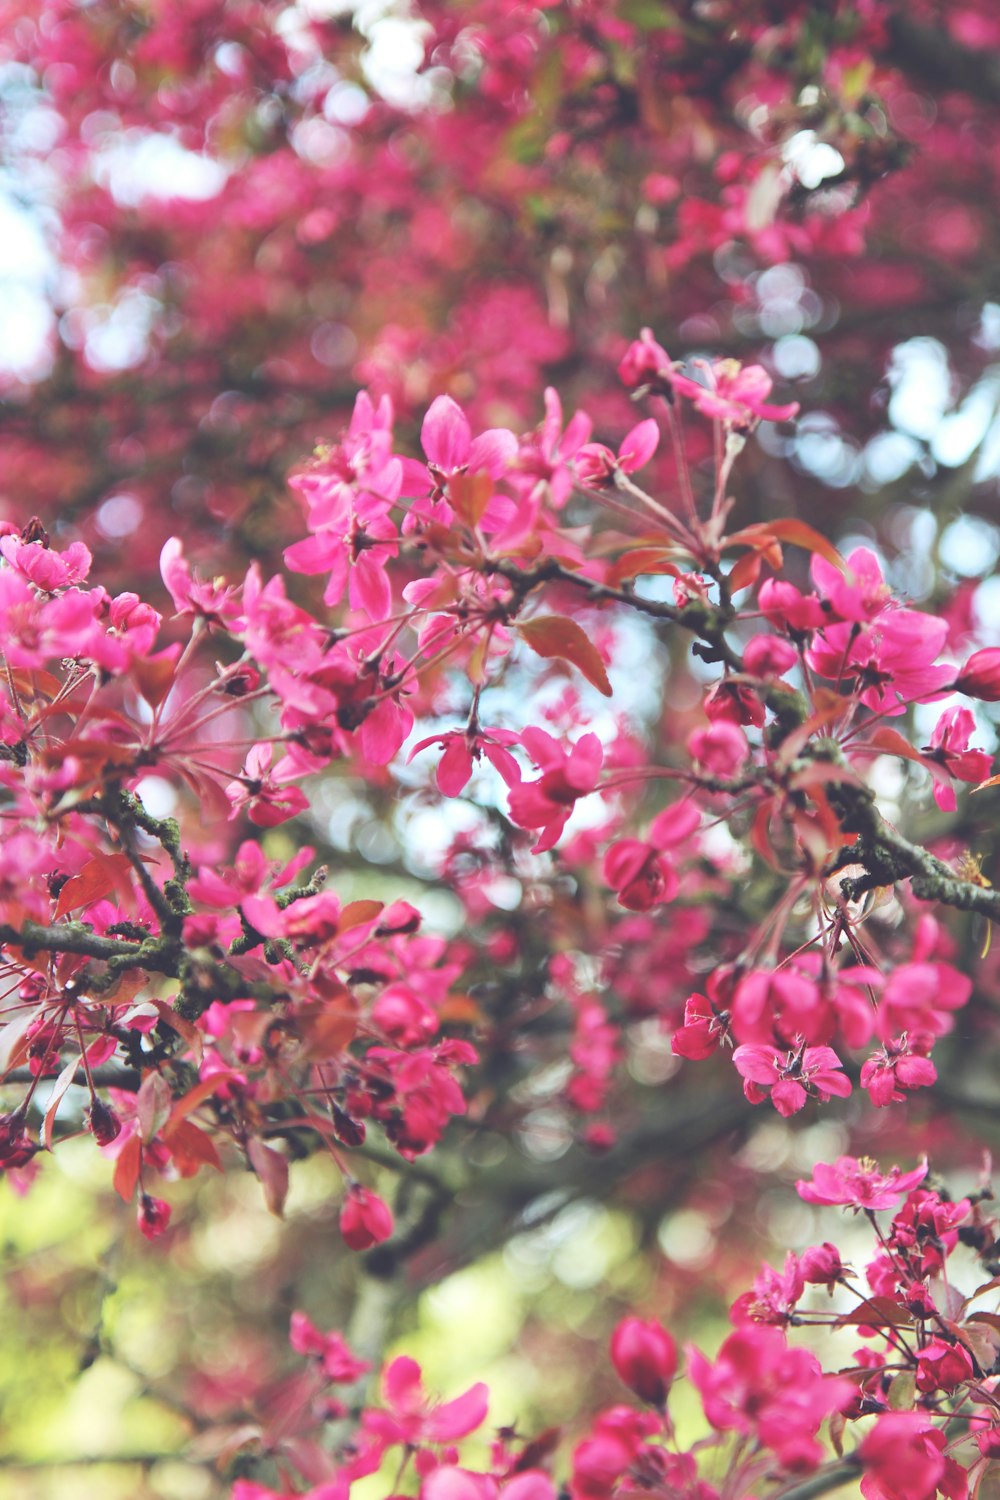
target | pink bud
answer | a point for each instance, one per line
(821, 1265)
(154, 1216)
(980, 677)
(645, 1357)
(104, 1123)
(768, 655)
(364, 1219)
(644, 361)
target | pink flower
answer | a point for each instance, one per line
(949, 746)
(645, 1357)
(639, 871)
(904, 1459)
(859, 1184)
(721, 749)
(791, 1077)
(596, 464)
(705, 1026)
(153, 1216)
(821, 1265)
(942, 1366)
(548, 802)
(896, 1067)
(339, 1364)
(462, 748)
(413, 1420)
(860, 594)
(364, 1219)
(645, 362)
(769, 656)
(758, 1385)
(735, 394)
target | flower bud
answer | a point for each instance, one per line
(645, 1357)
(364, 1219)
(105, 1125)
(154, 1216)
(980, 677)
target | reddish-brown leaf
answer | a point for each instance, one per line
(469, 495)
(98, 878)
(272, 1173)
(127, 1169)
(191, 1148)
(556, 635)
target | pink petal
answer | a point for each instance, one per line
(445, 435)
(454, 1419)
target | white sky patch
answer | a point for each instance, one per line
(26, 270)
(144, 164)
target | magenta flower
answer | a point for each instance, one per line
(949, 747)
(645, 1357)
(735, 394)
(364, 1219)
(791, 1077)
(904, 1459)
(413, 1420)
(758, 1385)
(462, 748)
(548, 802)
(858, 1183)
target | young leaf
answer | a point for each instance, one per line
(555, 635)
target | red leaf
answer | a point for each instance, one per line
(152, 1106)
(640, 561)
(799, 533)
(272, 1172)
(555, 635)
(98, 878)
(127, 1169)
(191, 1148)
(469, 495)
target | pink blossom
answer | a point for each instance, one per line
(949, 746)
(859, 1184)
(722, 749)
(904, 1459)
(365, 1220)
(462, 748)
(645, 1357)
(791, 1077)
(735, 394)
(566, 776)
(410, 1418)
(645, 361)
(758, 1385)
(896, 1067)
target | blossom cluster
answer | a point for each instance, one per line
(911, 1413)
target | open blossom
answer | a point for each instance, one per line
(904, 1459)
(596, 464)
(858, 1183)
(736, 394)
(949, 746)
(896, 1067)
(566, 776)
(790, 1077)
(463, 748)
(411, 1418)
(758, 1385)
